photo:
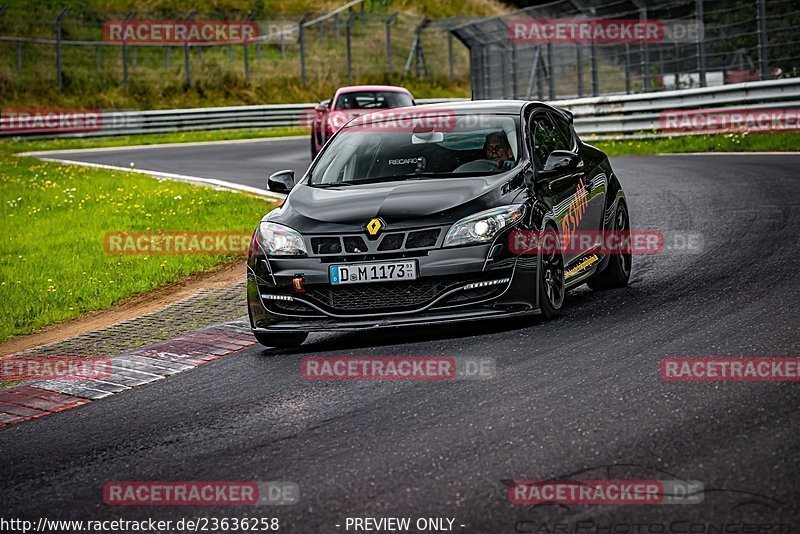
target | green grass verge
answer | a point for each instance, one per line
(732, 142)
(53, 264)
(22, 145)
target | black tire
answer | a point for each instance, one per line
(551, 276)
(314, 150)
(281, 341)
(618, 271)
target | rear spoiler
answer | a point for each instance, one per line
(567, 114)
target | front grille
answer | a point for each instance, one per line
(326, 245)
(380, 296)
(354, 245)
(391, 242)
(398, 241)
(422, 238)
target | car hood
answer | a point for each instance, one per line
(411, 202)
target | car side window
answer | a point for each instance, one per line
(546, 138)
(566, 130)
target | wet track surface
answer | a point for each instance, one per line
(580, 394)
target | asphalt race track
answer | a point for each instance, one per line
(578, 395)
(242, 162)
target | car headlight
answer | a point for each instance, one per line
(280, 240)
(484, 226)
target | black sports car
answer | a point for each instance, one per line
(404, 221)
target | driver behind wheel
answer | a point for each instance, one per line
(497, 149)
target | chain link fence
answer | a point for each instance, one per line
(542, 52)
(363, 41)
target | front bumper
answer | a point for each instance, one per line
(454, 284)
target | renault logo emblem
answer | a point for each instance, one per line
(374, 226)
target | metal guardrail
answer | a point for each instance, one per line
(639, 115)
(636, 115)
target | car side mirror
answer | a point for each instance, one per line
(560, 161)
(281, 181)
(323, 106)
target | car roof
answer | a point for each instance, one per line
(478, 106)
(354, 88)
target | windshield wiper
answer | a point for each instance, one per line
(427, 174)
(333, 184)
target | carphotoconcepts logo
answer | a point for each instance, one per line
(603, 31)
(164, 243)
(435, 368)
(730, 120)
(50, 120)
(54, 368)
(198, 493)
(178, 32)
(731, 369)
(596, 492)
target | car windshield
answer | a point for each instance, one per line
(373, 100)
(447, 146)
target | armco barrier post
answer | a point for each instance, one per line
(450, 50)
(125, 78)
(59, 65)
(763, 59)
(676, 66)
(514, 69)
(347, 30)
(627, 69)
(595, 80)
(186, 56)
(643, 47)
(586, 10)
(389, 41)
(579, 62)
(551, 73)
(701, 43)
(246, 45)
(301, 37)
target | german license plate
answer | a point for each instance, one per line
(358, 273)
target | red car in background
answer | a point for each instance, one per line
(350, 102)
